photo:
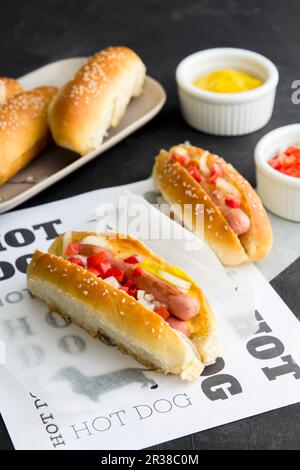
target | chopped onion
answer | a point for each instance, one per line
(181, 151)
(181, 283)
(146, 304)
(140, 294)
(203, 166)
(227, 187)
(67, 239)
(92, 240)
(112, 281)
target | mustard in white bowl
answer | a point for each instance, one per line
(226, 113)
(227, 81)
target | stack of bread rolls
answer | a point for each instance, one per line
(78, 115)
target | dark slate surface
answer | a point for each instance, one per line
(33, 33)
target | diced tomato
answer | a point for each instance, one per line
(232, 202)
(295, 151)
(275, 163)
(137, 272)
(129, 283)
(104, 268)
(288, 162)
(193, 170)
(116, 273)
(216, 171)
(95, 260)
(163, 312)
(72, 249)
(181, 159)
(133, 259)
(76, 261)
(133, 292)
(94, 271)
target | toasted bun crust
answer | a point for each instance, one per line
(23, 129)
(100, 309)
(9, 87)
(179, 187)
(96, 98)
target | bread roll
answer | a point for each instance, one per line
(8, 88)
(178, 186)
(24, 129)
(100, 308)
(96, 99)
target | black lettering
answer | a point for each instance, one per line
(164, 406)
(215, 368)
(215, 387)
(289, 367)
(2, 247)
(141, 415)
(48, 228)
(31, 355)
(108, 424)
(56, 320)
(186, 401)
(19, 237)
(119, 418)
(14, 297)
(6, 270)
(265, 347)
(263, 327)
(22, 262)
(13, 328)
(57, 440)
(72, 344)
(77, 431)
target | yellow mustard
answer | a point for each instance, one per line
(227, 81)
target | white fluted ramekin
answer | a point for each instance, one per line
(279, 193)
(226, 113)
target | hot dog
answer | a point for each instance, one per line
(235, 225)
(151, 309)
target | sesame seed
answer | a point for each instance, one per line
(85, 292)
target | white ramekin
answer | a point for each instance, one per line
(226, 113)
(280, 193)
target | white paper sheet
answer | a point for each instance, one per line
(259, 370)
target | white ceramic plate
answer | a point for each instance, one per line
(55, 162)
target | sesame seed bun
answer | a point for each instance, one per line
(9, 87)
(178, 186)
(96, 99)
(100, 309)
(24, 129)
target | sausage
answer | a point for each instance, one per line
(236, 217)
(178, 325)
(180, 304)
(238, 220)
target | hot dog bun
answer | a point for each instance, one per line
(24, 129)
(96, 99)
(9, 87)
(178, 186)
(100, 308)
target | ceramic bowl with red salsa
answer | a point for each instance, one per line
(277, 158)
